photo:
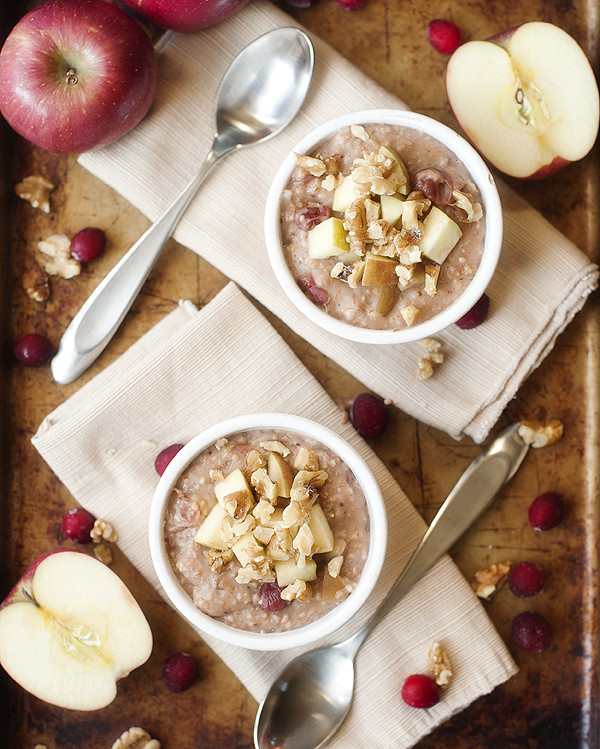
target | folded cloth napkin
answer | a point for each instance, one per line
(195, 368)
(541, 282)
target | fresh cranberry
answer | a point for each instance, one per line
(443, 36)
(368, 415)
(269, 597)
(350, 4)
(88, 244)
(420, 690)
(546, 511)
(525, 579)
(77, 525)
(435, 185)
(33, 350)
(307, 217)
(532, 632)
(179, 671)
(313, 292)
(165, 456)
(476, 315)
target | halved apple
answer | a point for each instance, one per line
(527, 99)
(70, 629)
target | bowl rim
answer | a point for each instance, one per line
(317, 629)
(482, 177)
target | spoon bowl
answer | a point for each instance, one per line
(259, 95)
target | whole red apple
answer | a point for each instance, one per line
(186, 15)
(527, 99)
(76, 75)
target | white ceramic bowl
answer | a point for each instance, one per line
(492, 211)
(315, 630)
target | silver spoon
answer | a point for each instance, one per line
(309, 700)
(260, 93)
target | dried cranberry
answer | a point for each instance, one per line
(179, 671)
(368, 415)
(435, 185)
(546, 511)
(531, 631)
(269, 597)
(77, 525)
(88, 244)
(525, 579)
(420, 690)
(313, 292)
(33, 350)
(307, 217)
(165, 456)
(476, 315)
(443, 36)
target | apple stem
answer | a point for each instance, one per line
(71, 78)
(30, 598)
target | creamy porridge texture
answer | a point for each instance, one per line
(267, 531)
(382, 226)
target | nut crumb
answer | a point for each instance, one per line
(487, 582)
(358, 131)
(409, 313)
(439, 664)
(103, 531)
(432, 358)
(36, 190)
(217, 560)
(103, 553)
(275, 446)
(221, 442)
(313, 166)
(334, 566)
(136, 738)
(56, 256)
(299, 590)
(540, 433)
(36, 284)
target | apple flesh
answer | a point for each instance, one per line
(527, 99)
(186, 15)
(70, 629)
(76, 75)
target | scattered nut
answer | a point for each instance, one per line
(36, 284)
(439, 664)
(540, 433)
(487, 582)
(36, 190)
(433, 357)
(56, 256)
(135, 738)
(103, 531)
(103, 553)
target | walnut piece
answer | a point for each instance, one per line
(275, 446)
(136, 738)
(221, 442)
(487, 582)
(56, 258)
(299, 590)
(540, 433)
(103, 553)
(103, 531)
(432, 358)
(358, 131)
(36, 284)
(313, 166)
(334, 566)
(409, 313)
(36, 190)
(439, 664)
(217, 560)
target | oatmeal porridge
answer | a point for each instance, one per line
(382, 226)
(267, 530)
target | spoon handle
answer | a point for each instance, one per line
(472, 494)
(94, 325)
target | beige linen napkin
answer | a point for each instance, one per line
(195, 368)
(541, 282)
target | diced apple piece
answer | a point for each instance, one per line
(379, 271)
(389, 153)
(288, 571)
(232, 483)
(346, 193)
(388, 296)
(391, 208)
(327, 239)
(322, 533)
(246, 548)
(209, 533)
(440, 235)
(280, 474)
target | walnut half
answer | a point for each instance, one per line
(36, 190)
(136, 738)
(540, 433)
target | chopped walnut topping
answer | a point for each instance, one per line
(263, 533)
(304, 541)
(103, 553)
(265, 488)
(377, 174)
(263, 511)
(354, 224)
(36, 284)
(487, 582)
(439, 664)
(307, 460)
(275, 446)
(465, 202)
(237, 504)
(254, 461)
(405, 274)
(540, 433)
(251, 574)
(103, 531)
(358, 131)
(221, 442)
(409, 313)
(280, 546)
(244, 526)
(216, 475)
(299, 589)
(56, 258)
(432, 273)
(36, 190)
(294, 514)
(135, 738)
(331, 181)
(334, 566)
(313, 166)
(217, 560)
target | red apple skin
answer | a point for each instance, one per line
(115, 66)
(186, 15)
